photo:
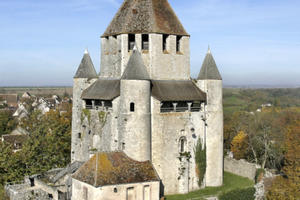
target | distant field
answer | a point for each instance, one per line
(236, 99)
(37, 90)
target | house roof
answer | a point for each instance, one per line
(104, 89)
(174, 90)
(145, 16)
(112, 168)
(86, 68)
(209, 69)
(135, 69)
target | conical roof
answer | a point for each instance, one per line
(209, 69)
(145, 16)
(135, 69)
(86, 68)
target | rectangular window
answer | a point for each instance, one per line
(164, 42)
(131, 41)
(85, 193)
(147, 192)
(178, 43)
(130, 194)
(145, 42)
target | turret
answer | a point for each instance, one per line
(155, 29)
(135, 119)
(84, 77)
(210, 81)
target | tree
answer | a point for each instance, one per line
(7, 122)
(287, 186)
(239, 145)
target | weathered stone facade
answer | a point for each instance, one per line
(134, 120)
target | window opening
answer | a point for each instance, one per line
(182, 145)
(145, 42)
(178, 43)
(79, 135)
(131, 41)
(165, 37)
(85, 193)
(88, 104)
(131, 107)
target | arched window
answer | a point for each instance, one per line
(131, 107)
(182, 144)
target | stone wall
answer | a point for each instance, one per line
(240, 167)
(145, 190)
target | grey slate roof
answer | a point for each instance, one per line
(145, 16)
(135, 69)
(209, 69)
(104, 89)
(86, 68)
(182, 90)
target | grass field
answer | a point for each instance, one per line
(231, 182)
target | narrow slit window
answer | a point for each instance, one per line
(79, 135)
(132, 107)
(131, 41)
(178, 43)
(145, 42)
(164, 43)
(182, 145)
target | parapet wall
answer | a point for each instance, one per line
(240, 167)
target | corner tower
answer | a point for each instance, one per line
(84, 77)
(135, 116)
(210, 81)
(154, 28)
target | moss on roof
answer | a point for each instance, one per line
(115, 168)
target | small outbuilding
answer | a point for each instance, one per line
(113, 175)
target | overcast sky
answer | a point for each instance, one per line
(253, 41)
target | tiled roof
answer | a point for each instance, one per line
(145, 16)
(135, 69)
(86, 68)
(209, 69)
(112, 168)
(103, 89)
(177, 90)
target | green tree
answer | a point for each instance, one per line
(7, 122)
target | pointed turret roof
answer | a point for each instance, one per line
(209, 69)
(86, 68)
(145, 16)
(135, 69)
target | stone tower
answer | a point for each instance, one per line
(144, 101)
(210, 81)
(135, 116)
(84, 77)
(154, 28)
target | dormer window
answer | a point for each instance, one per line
(178, 43)
(145, 42)
(164, 42)
(131, 41)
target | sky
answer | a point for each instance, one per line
(254, 42)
